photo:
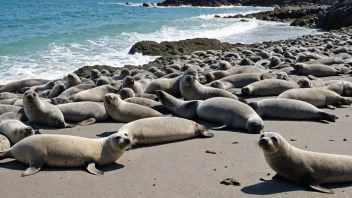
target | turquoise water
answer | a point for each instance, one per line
(50, 38)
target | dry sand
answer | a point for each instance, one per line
(184, 169)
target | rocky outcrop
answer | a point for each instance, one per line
(217, 3)
(299, 16)
(337, 16)
(187, 46)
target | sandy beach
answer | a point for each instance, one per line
(183, 169)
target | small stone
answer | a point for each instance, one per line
(305, 147)
(230, 181)
(344, 139)
(347, 116)
(153, 184)
(234, 142)
(225, 166)
(210, 151)
(293, 140)
(214, 169)
(331, 140)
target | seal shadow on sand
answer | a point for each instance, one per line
(15, 165)
(281, 186)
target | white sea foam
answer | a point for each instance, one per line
(59, 59)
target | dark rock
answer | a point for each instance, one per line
(187, 46)
(337, 16)
(146, 5)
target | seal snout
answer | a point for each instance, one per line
(245, 91)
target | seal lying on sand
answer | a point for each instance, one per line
(42, 112)
(289, 109)
(230, 113)
(15, 130)
(67, 151)
(162, 130)
(123, 111)
(309, 169)
(317, 97)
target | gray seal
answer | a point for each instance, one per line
(230, 113)
(67, 151)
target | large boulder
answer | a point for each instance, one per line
(337, 16)
(187, 46)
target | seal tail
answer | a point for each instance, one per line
(328, 117)
(5, 154)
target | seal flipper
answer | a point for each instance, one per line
(87, 122)
(69, 125)
(275, 177)
(91, 168)
(220, 127)
(309, 181)
(33, 168)
(207, 134)
(330, 106)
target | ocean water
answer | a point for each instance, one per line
(51, 38)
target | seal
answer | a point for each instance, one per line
(122, 111)
(129, 82)
(72, 80)
(94, 74)
(8, 101)
(67, 151)
(310, 169)
(211, 76)
(230, 113)
(41, 112)
(191, 89)
(123, 73)
(8, 108)
(15, 130)
(148, 103)
(268, 87)
(317, 70)
(7, 95)
(162, 130)
(347, 86)
(129, 93)
(75, 89)
(310, 83)
(169, 85)
(84, 112)
(240, 80)
(15, 86)
(289, 109)
(183, 109)
(20, 115)
(4, 143)
(94, 95)
(57, 90)
(317, 97)
(326, 61)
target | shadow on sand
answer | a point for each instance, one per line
(15, 165)
(282, 186)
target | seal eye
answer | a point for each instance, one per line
(262, 136)
(274, 139)
(117, 138)
(126, 134)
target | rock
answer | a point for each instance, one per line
(210, 151)
(337, 16)
(217, 16)
(230, 181)
(182, 47)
